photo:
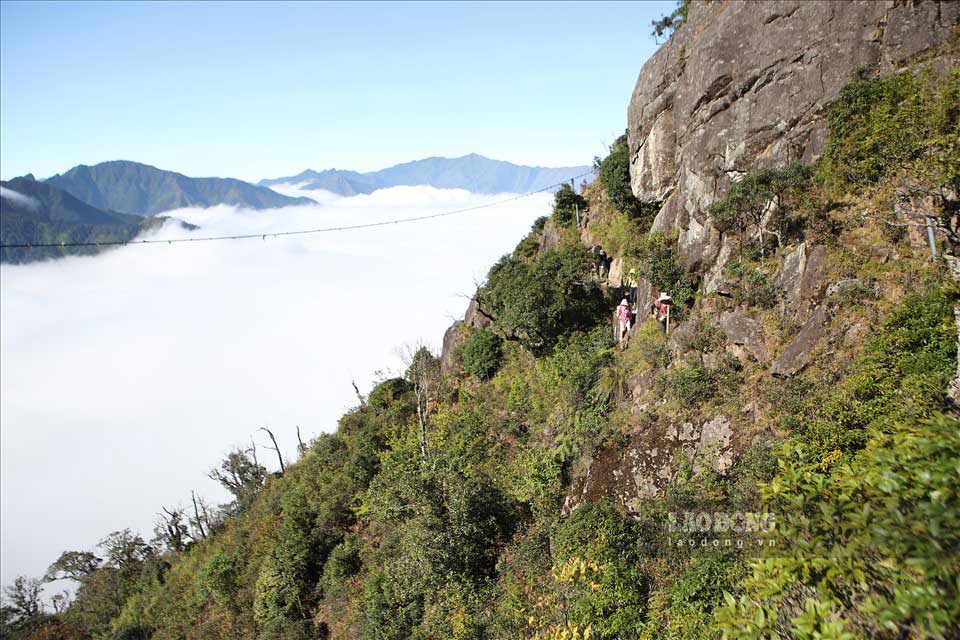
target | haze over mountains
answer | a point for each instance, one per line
(472, 172)
(109, 201)
(34, 212)
(143, 190)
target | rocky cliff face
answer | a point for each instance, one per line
(743, 85)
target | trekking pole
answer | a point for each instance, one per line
(668, 319)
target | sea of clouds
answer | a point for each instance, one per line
(126, 377)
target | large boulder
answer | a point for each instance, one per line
(743, 84)
(450, 337)
(743, 331)
(802, 281)
(642, 468)
(799, 353)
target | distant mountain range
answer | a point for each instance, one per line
(110, 201)
(40, 213)
(142, 190)
(472, 172)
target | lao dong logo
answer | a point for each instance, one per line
(718, 528)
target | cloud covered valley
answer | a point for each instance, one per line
(127, 376)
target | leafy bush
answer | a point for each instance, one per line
(752, 286)
(528, 247)
(566, 202)
(482, 354)
(697, 383)
(873, 540)
(901, 376)
(604, 546)
(342, 564)
(536, 303)
(660, 264)
(615, 176)
(748, 201)
(881, 125)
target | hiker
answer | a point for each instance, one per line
(624, 316)
(601, 262)
(660, 309)
(633, 282)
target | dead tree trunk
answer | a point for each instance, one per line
(283, 469)
(196, 515)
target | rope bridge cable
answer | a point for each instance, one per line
(277, 234)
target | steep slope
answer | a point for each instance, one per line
(744, 84)
(472, 172)
(139, 189)
(36, 212)
(540, 481)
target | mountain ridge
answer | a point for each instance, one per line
(140, 189)
(33, 212)
(472, 172)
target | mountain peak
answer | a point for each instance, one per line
(144, 190)
(472, 172)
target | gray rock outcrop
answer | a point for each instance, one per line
(743, 84)
(643, 468)
(799, 352)
(743, 331)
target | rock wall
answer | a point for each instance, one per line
(743, 84)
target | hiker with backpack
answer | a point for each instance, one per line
(660, 309)
(624, 317)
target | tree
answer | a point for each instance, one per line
(536, 303)
(482, 354)
(759, 199)
(275, 448)
(566, 204)
(73, 565)
(614, 171)
(23, 598)
(666, 25)
(241, 475)
(172, 530)
(423, 372)
(124, 550)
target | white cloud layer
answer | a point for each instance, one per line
(19, 198)
(127, 376)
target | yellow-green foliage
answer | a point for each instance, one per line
(456, 527)
(903, 122)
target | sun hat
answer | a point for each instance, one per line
(663, 297)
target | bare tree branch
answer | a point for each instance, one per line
(363, 403)
(302, 448)
(283, 468)
(196, 515)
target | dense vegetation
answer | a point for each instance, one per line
(437, 510)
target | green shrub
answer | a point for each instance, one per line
(881, 125)
(697, 383)
(872, 542)
(342, 564)
(901, 376)
(660, 264)
(751, 286)
(482, 354)
(536, 303)
(530, 245)
(566, 203)
(613, 605)
(615, 176)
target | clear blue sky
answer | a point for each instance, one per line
(255, 90)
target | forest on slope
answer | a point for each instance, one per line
(489, 492)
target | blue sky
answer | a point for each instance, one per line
(254, 90)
